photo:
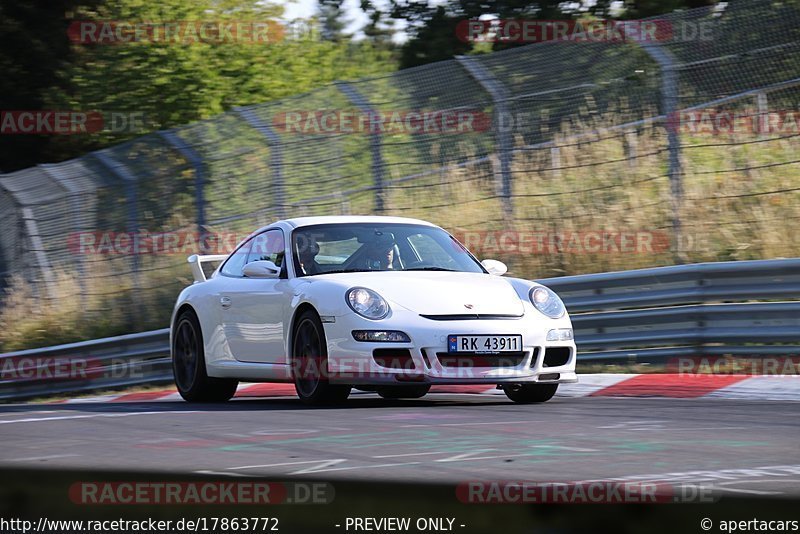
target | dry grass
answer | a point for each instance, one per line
(72, 308)
(735, 203)
(736, 206)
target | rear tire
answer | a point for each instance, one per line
(310, 364)
(404, 392)
(530, 393)
(189, 364)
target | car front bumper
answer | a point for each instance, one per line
(353, 362)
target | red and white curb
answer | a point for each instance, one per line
(774, 388)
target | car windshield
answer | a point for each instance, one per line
(361, 247)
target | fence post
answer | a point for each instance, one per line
(631, 142)
(32, 229)
(358, 100)
(669, 99)
(500, 97)
(763, 113)
(75, 209)
(555, 162)
(121, 171)
(275, 157)
(197, 163)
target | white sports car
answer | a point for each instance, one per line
(384, 304)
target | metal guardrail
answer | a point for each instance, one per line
(643, 316)
(113, 362)
(648, 315)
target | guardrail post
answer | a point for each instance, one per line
(669, 99)
(275, 157)
(500, 96)
(358, 100)
(197, 163)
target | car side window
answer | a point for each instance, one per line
(235, 263)
(268, 246)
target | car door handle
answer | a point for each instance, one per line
(225, 302)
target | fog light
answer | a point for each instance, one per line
(381, 335)
(560, 334)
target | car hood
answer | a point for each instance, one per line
(439, 293)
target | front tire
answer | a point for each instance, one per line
(310, 364)
(530, 393)
(189, 364)
(404, 392)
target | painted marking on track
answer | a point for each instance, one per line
(320, 466)
(722, 486)
(281, 432)
(746, 491)
(636, 425)
(465, 456)
(737, 474)
(411, 454)
(12, 414)
(565, 448)
(225, 473)
(92, 416)
(318, 462)
(318, 470)
(649, 426)
(38, 458)
(472, 424)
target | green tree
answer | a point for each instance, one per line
(432, 27)
(169, 83)
(33, 47)
(333, 19)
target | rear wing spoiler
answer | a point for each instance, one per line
(196, 262)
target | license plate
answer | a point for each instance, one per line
(484, 344)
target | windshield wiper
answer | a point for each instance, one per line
(432, 269)
(344, 271)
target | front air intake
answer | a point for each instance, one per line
(556, 356)
(394, 359)
(474, 359)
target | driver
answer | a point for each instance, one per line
(380, 252)
(307, 254)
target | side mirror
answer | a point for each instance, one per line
(261, 269)
(497, 268)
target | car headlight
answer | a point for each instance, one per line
(380, 336)
(367, 303)
(547, 302)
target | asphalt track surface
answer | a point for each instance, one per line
(738, 447)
